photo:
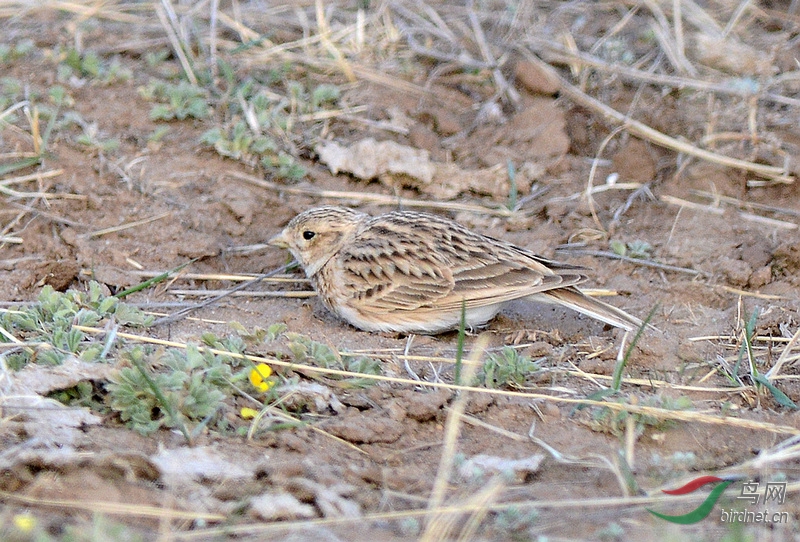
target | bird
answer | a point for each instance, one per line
(414, 272)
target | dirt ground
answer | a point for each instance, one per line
(721, 243)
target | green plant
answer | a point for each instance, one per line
(9, 53)
(176, 101)
(239, 143)
(284, 166)
(641, 250)
(23, 110)
(155, 58)
(158, 134)
(513, 194)
(89, 65)
(259, 335)
(506, 368)
(611, 421)
(47, 326)
(82, 394)
(307, 351)
(90, 138)
(513, 521)
(10, 92)
(759, 379)
(260, 119)
(172, 388)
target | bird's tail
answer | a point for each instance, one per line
(576, 300)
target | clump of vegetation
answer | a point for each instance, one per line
(307, 351)
(506, 368)
(260, 119)
(641, 250)
(27, 527)
(92, 139)
(16, 51)
(614, 422)
(257, 335)
(88, 65)
(47, 327)
(172, 388)
(514, 522)
(176, 101)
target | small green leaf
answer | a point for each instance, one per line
(779, 396)
(618, 247)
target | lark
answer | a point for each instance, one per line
(412, 272)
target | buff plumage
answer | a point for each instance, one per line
(412, 272)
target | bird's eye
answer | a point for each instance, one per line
(308, 235)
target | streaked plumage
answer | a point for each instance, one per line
(410, 272)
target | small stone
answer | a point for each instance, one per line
(634, 163)
(365, 428)
(113, 276)
(292, 442)
(396, 411)
(760, 277)
(59, 274)
(422, 137)
(535, 78)
(597, 366)
(69, 236)
(756, 254)
(242, 207)
(280, 506)
(482, 465)
(551, 411)
(736, 271)
(446, 123)
(479, 402)
(539, 349)
(424, 406)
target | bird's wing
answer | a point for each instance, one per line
(393, 275)
(397, 264)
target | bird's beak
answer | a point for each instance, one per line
(279, 241)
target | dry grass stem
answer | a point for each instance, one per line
(45, 195)
(241, 293)
(177, 47)
(32, 177)
(440, 527)
(227, 277)
(635, 261)
(111, 508)
(364, 197)
(719, 198)
(713, 209)
(785, 356)
(646, 132)
(757, 295)
(127, 226)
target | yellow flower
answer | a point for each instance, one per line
(24, 522)
(248, 413)
(259, 376)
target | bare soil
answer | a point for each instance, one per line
(390, 436)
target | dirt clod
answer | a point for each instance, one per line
(427, 405)
(365, 428)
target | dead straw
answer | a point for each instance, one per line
(654, 136)
(364, 197)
